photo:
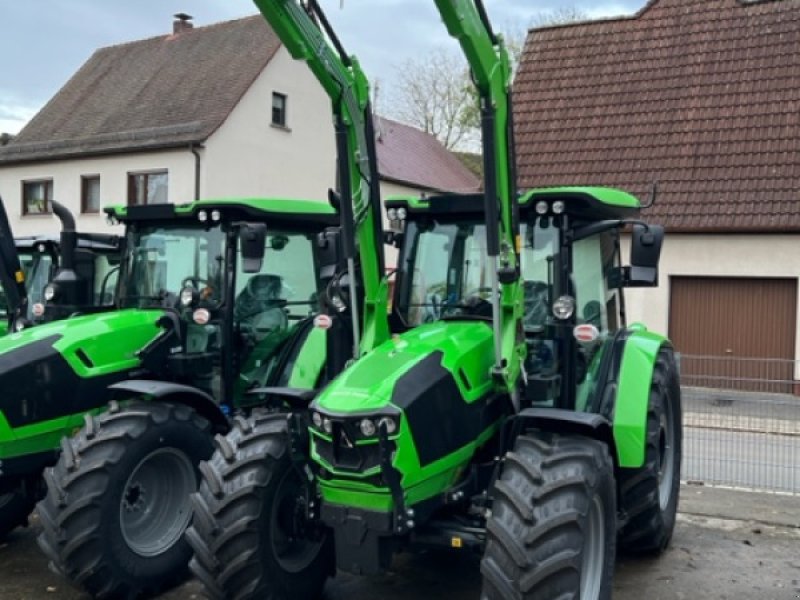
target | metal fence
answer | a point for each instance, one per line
(741, 423)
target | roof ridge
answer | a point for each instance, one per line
(163, 36)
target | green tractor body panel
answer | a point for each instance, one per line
(406, 377)
(76, 353)
(277, 206)
(310, 362)
(602, 195)
(633, 395)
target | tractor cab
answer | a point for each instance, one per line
(240, 283)
(50, 277)
(571, 277)
(96, 264)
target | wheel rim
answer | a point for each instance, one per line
(291, 545)
(156, 504)
(594, 550)
(666, 458)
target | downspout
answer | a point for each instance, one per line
(193, 148)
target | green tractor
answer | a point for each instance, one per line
(213, 298)
(118, 499)
(514, 413)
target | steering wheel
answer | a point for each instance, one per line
(195, 281)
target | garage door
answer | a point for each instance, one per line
(735, 333)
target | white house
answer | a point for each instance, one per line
(212, 112)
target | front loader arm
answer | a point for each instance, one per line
(467, 22)
(300, 27)
(12, 278)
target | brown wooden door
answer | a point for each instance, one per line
(735, 333)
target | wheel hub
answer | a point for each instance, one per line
(134, 497)
(155, 508)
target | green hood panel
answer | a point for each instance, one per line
(108, 340)
(466, 348)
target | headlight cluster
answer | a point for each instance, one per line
(368, 427)
(397, 214)
(557, 208)
(203, 216)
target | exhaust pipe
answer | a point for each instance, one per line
(69, 237)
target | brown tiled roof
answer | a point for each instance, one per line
(165, 91)
(409, 156)
(701, 95)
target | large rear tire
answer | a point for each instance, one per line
(649, 495)
(250, 535)
(552, 529)
(118, 500)
(15, 506)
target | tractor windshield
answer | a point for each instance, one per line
(162, 261)
(444, 272)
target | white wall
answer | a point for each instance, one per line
(248, 156)
(764, 256)
(113, 172)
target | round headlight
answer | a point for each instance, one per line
(316, 418)
(367, 427)
(38, 309)
(49, 292)
(215, 215)
(541, 207)
(187, 296)
(392, 214)
(402, 213)
(564, 307)
(327, 425)
(202, 216)
(40, 248)
(338, 303)
(389, 423)
(559, 207)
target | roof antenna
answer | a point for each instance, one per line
(653, 195)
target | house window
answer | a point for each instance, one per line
(147, 188)
(90, 194)
(279, 109)
(37, 196)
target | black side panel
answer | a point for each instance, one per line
(38, 384)
(438, 417)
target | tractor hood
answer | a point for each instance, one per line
(464, 349)
(59, 368)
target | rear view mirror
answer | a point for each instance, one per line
(646, 244)
(252, 237)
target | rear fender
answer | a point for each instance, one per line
(164, 391)
(632, 396)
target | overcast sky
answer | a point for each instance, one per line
(43, 42)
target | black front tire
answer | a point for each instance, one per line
(15, 505)
(114, 516)
(246, 512)
(649, 495)
(552, 529)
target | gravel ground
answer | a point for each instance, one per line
(728, 545)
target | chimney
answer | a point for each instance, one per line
(182, 22)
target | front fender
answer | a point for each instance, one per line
(163, 391)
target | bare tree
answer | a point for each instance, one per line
(436, 95)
